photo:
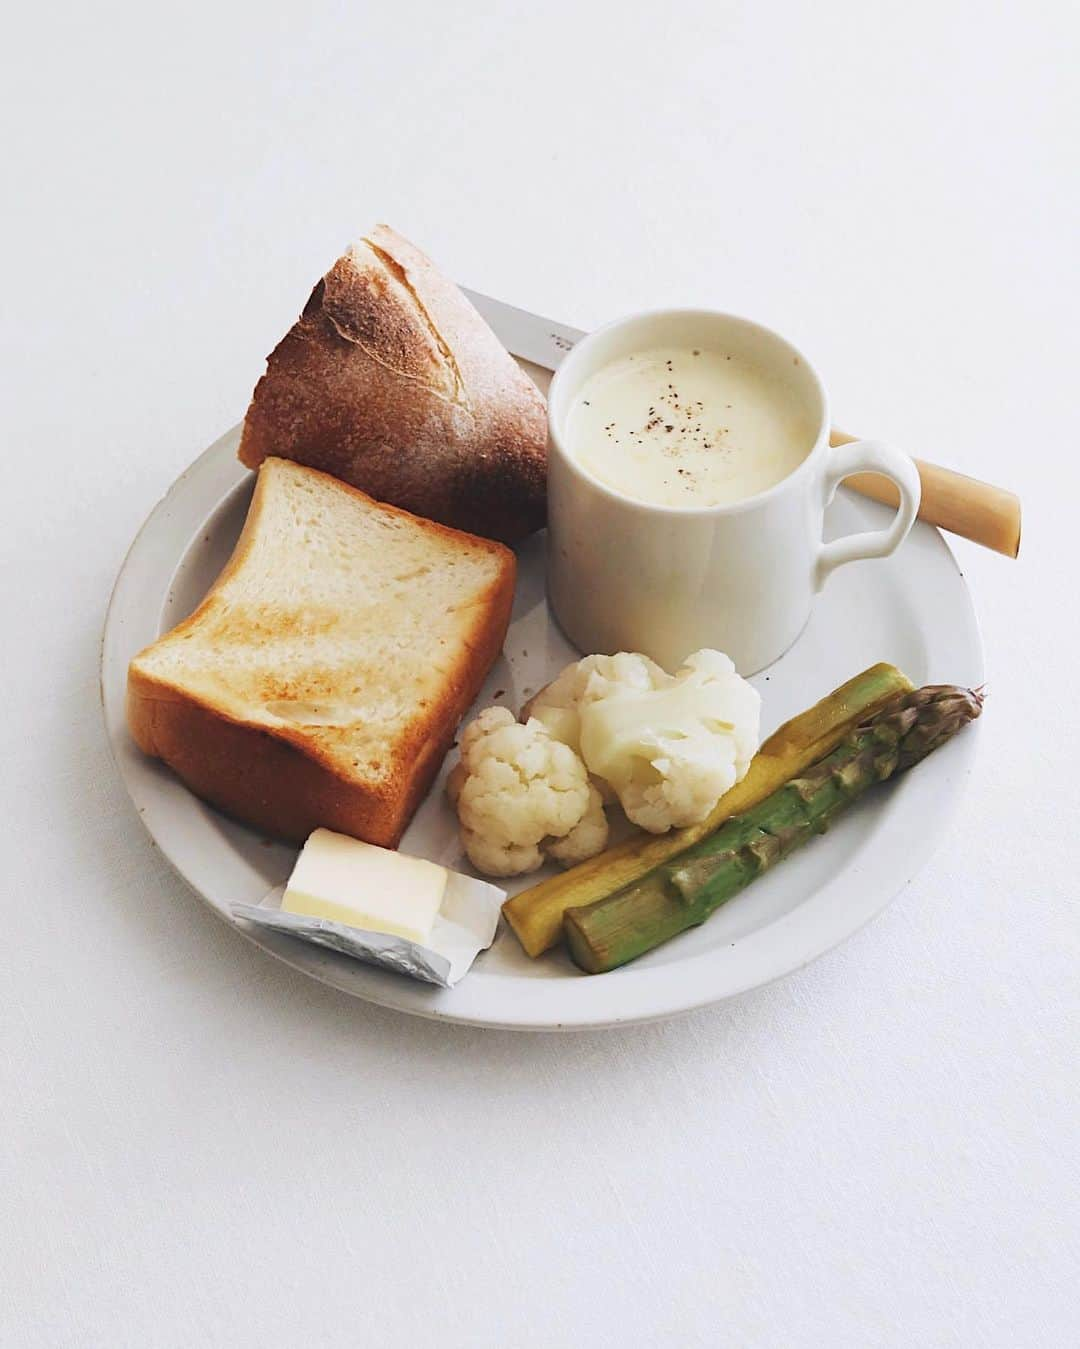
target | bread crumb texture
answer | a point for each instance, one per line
(339, 617)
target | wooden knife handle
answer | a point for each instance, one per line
(975, 510)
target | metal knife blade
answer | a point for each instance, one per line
(530, 336)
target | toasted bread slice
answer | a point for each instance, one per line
(321, 680)
(391, 381)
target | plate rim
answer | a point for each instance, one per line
(624, 997)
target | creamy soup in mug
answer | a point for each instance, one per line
(687, 426)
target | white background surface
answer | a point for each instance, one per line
(201, 1147)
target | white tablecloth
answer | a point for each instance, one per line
(201, 1147)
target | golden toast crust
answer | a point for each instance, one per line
(286, 778)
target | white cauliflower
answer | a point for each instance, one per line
(559, 704)
(668, 746)
(587, 838)
(519, 794)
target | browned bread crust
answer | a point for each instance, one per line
(289, 778)
(391, 381)
(265, 781)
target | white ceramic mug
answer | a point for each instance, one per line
(624, 575)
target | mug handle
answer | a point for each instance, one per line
(869, 456)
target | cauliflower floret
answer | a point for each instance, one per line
(675, 782)
(716, 672)
(587, 838)
(559, 704)
(516, 789)
(670, 752)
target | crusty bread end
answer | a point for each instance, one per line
(390, 380)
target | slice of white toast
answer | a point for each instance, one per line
(321, 680)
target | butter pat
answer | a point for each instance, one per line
(362, 908)
(363, 886)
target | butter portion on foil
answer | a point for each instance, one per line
(464, 926)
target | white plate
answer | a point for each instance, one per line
(913, 610)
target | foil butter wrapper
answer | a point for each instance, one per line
(465, 925)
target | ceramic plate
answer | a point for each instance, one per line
(912, 609)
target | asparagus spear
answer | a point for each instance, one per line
(685, 891)
(536, 914)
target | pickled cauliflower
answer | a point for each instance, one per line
(520, 794)
(667, 746)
